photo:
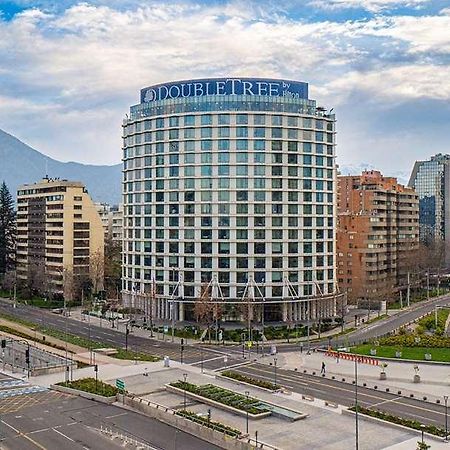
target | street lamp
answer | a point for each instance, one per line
(422, 429)
(275, 370)
(446, 416)
(185, 377)
(247, 393)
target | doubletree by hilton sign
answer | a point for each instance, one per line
(225, 86)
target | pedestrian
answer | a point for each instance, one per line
(322, 370)
(301, 347)
(337, 357)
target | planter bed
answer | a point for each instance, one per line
(408, 423)
(235, 376)
(209, 423)
(221, 398)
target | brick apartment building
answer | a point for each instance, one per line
(378, 231)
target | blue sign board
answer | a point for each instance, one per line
(225, 86)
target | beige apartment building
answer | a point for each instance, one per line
(60, 237)
(377, 235)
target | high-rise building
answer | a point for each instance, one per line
(229, 185)
(60, 237)
(377, 235)
(431, 181)
(112, 220)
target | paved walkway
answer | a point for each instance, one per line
(435, 378)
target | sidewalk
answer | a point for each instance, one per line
(435, 378)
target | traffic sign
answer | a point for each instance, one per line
(120, 384)
(166, 329)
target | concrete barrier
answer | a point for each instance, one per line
(169, 417)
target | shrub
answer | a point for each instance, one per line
(89, 385)
(250, 380)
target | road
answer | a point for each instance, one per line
(213, 358)
(61, 421)
(342, 393)
(376, 329)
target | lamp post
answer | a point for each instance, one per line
(446, 417)
(247, 393)
(275, 371)
(422, 429)
(184, 377)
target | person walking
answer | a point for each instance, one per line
(322, 370)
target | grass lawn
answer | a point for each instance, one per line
(418, 353)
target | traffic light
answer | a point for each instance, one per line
(96, 368)
(3, 343)
(27, 356)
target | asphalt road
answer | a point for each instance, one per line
(213, 358)
(74, 423)
(344, 394)
(376, 329)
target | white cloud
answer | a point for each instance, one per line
(79, 70)
(374, 6)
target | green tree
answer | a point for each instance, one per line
(7, 230)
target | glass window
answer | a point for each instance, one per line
(223, 157)
(174, 121)
(277, 120)
(242, 119)
(259, 119)
(224, 132)
(241, 132)
(189, 158)
(259, 157)
(223, 170)
(206, 145)
(259, 145)
(259, 132)
(241, 157)
(224, 144)
(277, 133)
(206, 119)
(241, 144)
(224, 119)
(189, 121)
(242, 170)
(206, 132)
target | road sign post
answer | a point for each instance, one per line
(120, 384)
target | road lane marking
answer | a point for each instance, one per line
(401, 400)
(24, 436)
(62, 434)
(386, 401)
(115, 415)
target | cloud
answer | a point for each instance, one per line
(374, 6)
(72, 73)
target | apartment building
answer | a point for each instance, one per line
(60, 237)
(377, 234)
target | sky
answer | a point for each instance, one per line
(69, 71)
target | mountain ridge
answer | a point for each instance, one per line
(22, 164)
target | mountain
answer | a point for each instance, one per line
(21, 164)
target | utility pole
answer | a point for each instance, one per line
(428, 284)
(408, 291)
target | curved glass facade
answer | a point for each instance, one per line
(230, 191)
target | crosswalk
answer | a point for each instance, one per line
(12, 383)
(21, 391)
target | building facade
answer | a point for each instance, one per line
(431, 181)
(229, 188)
(377, 234)
(60, 237)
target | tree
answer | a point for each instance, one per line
(7, 230)
(112, 267)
